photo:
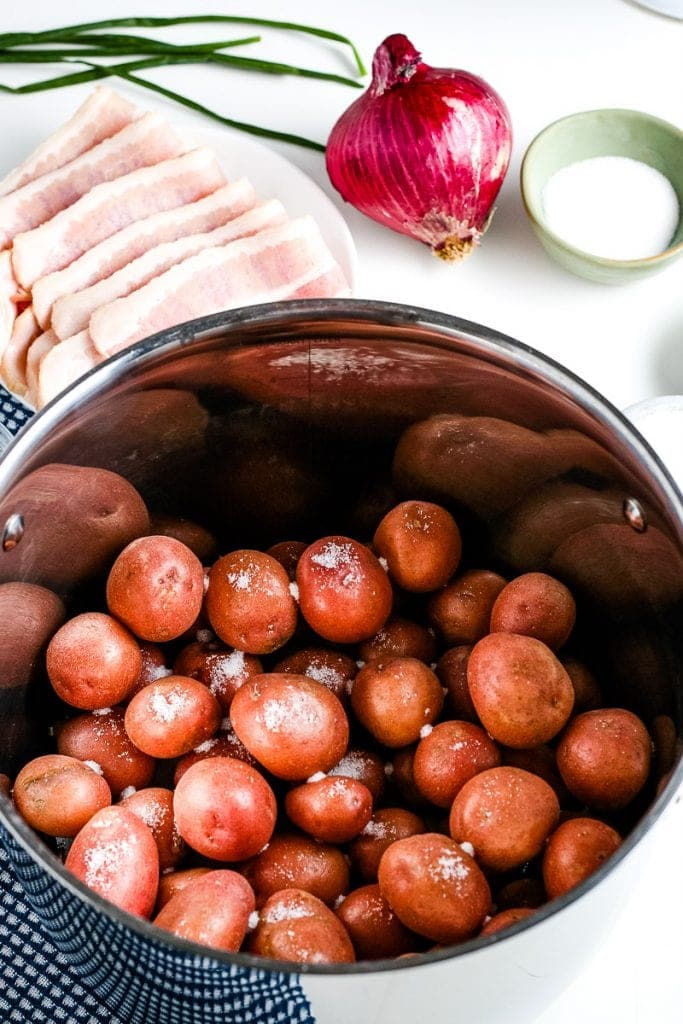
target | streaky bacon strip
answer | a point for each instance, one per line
(204, 213)
(64, 364)
(8, 300)
(37, 351)
(111, 206)
(102, 115)
(72, 313)
(25, 331)
(270, 266)
(145, 142)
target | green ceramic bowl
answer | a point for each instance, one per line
(602, 133)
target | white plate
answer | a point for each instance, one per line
(274, 177)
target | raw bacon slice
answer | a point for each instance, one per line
(145, 142)
(108, 208)
(8, 305)
(25, 331)
(270, 266)
(36, 353)
(103, 114)
(103, 260)
(64, 364)
(71, 313)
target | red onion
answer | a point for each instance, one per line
(424, 150)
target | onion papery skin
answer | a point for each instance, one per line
(423, 151)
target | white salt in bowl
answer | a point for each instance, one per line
(605, 133)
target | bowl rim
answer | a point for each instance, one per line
(534, 208)
(488, 343)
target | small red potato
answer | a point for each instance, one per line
(400, 638)
(213, 910)
(402, 777)
(5, 785)
(587, 693)
(296, 926)
(172, 716)
(574, 851)
(331, 809)
(58, 795)
(194, 536)
(115, 855)
(521, 692)
(154, 806)
(288, 553)
(249, 603)
(451, 670)
(102, 738)
(334, 670)
(537, 605)
(452, 753)
(225, 744)
(521, 892)
(434, 887)
(395, 699)
(462, 610)
(220, 668)
(506, 814)
(224, 809)
(153, 667)
(539, 761)
(384, 828)
(505, 919)
(421, 543)
(375, 930)
(93, 661)
(299, 862)
(29, 617)
(365, 766)
(156, 587)
(604, 757)
(293, 725)
(173, 882)
(344, 593)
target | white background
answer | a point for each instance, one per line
(547, 59)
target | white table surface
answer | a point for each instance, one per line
(546, 59)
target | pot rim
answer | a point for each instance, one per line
(488, 343)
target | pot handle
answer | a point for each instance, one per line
(660, 421)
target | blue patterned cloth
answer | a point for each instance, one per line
(13, 416)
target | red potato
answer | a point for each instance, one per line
(521, 892)
(299, 862)
(194, 536)
(421, 543)
(102, 738)
(249, 603)
(296, 926)
(173, 882)
(395, 699)
(365, 766)
(288, 553)
(574, 851)
(224, 809)
(451, 670)
(58, 795)
(539, 761)
(115, 855)
(452, 753)
(402, 777)
(156, 587)
(213, 910)
(384, 828)
(331, 809)
(521, 692)
(93, 661)
(334, 670)
(400, 638)
(506, 919)
(375, 930)
(220, 668)
(293, 725)
(5, 785)
(172, 716)
(506, 814)
(344, 593)
(29, 617)
(587, 693)
(537, 605)
(462, 610)
(434, 887)
(225, 744)
(604, 757)
(153, 667)
(154, 806)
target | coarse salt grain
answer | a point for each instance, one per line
(612, 207)
(294, 591)
(253, 921)
(241, 580)
(425, 731)
(206, 746)
(102, 711)
(128, 791)
(467, 848)
(451, 868)
(97, 768)
(167, 706)
(316, 777)
(204, 636)
(383, 562)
